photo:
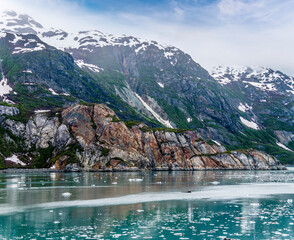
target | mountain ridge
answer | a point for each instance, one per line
(159, 82)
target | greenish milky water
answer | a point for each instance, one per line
(148, 205)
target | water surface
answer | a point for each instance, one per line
(148, 205)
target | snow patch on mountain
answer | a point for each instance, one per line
(244, 108)
(283, 146)
(156, 115)
(262, 78)
(160, 84)
(4, 87)
(15, 160)
(91, 67)
(249, 124)
(13, 22)
(53, 92)
(39, 47)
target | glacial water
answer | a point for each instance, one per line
(148, 205)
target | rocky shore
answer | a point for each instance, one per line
(92, 137)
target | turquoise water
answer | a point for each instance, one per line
(148, 205)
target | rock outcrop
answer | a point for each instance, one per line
(103, 142)
(10, 111)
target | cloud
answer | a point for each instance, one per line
(218, 32)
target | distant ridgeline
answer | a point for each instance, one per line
(44, 72)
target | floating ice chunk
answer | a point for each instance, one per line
(189, 120)
(135, 180)
(114, 183)
(66, 194)
(140, 210)
(215, 183)
(255, 204)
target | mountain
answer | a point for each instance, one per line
(43, 69)
(264, 96)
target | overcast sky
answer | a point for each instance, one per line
(213, 32)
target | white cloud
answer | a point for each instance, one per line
(229, 32)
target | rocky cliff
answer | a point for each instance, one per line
(93, 137)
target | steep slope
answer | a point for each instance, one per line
(39, 77)
(264, 97)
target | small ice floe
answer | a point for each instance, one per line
(66, 194)
(56, 222)
(254, 204)
(215, 183)
(179, 234)
(135, 180)
(114, 183)
(140, 210)
(205, 219)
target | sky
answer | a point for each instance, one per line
(213, 32)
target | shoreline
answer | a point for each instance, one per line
(48, 170)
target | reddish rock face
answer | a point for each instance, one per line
(109, 144)
(79, 119)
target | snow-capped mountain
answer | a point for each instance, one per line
(13, 22)
(83, 46)
(143, 80)
(262, 78)
(262, 95)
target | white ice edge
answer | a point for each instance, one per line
(217, 192)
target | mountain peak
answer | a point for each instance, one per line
(263, 78)
(13, 22)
